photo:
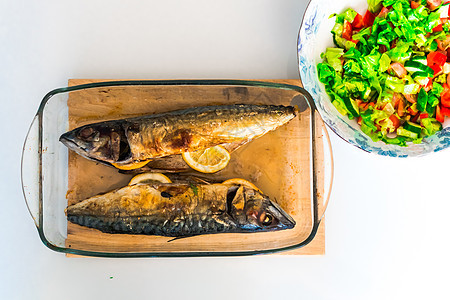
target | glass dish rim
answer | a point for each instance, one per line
(205, 82)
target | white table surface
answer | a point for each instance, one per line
(387, 226)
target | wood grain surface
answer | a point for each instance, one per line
(290, 143)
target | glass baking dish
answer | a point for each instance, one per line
(284, 164)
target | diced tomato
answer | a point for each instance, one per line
(395, 121)
(398, 69)
(438, 28)
(396, 99)
(360, 120)
(383, 12)
(410, 98)
(400, 108)
(445, 111)
(347, 31)
(414, 4)
(439, 115)
(448, 79)
(433, 4)
(436, 58)
(368, 19)
(372, 104)
(436, 69)
(445, 98)
(358, 22)
(423, 115)
(429, 85)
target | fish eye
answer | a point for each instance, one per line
(86, 132)
(266, 219)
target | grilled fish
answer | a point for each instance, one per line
(180, 210)
(133, 141)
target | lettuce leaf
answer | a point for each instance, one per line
(431, 126)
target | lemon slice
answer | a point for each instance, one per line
(149, 177)
(209, 160)
(131, 166)
(241, 181)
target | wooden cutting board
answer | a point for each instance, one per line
(81, 111)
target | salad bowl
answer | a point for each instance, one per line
(314, 37)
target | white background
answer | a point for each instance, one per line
(387, 226)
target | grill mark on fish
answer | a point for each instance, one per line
(180, 140)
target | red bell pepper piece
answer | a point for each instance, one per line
(358, 22)
(445, 111)
(368, 19)
(438, 28)
(445, 98)
(439, 115)
(347, 31)
(436, 69)
(448, 80)
(423, 115)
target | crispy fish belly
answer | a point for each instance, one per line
(134, 140)
(180, 210)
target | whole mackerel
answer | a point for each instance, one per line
(128, 142)
(180, 210)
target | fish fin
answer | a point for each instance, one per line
(231, 147)
(200, 180)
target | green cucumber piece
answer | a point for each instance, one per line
(420, 77)
(416, 128)
(415, 67)
(420, 59)
(406, 133)
(352, 107)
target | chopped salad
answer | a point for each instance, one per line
(390, 68)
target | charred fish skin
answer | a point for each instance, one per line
(138, 139)
(180, 210)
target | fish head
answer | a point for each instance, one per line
(101, 142)
(254, 211)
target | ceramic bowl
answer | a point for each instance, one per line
(314, 38)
